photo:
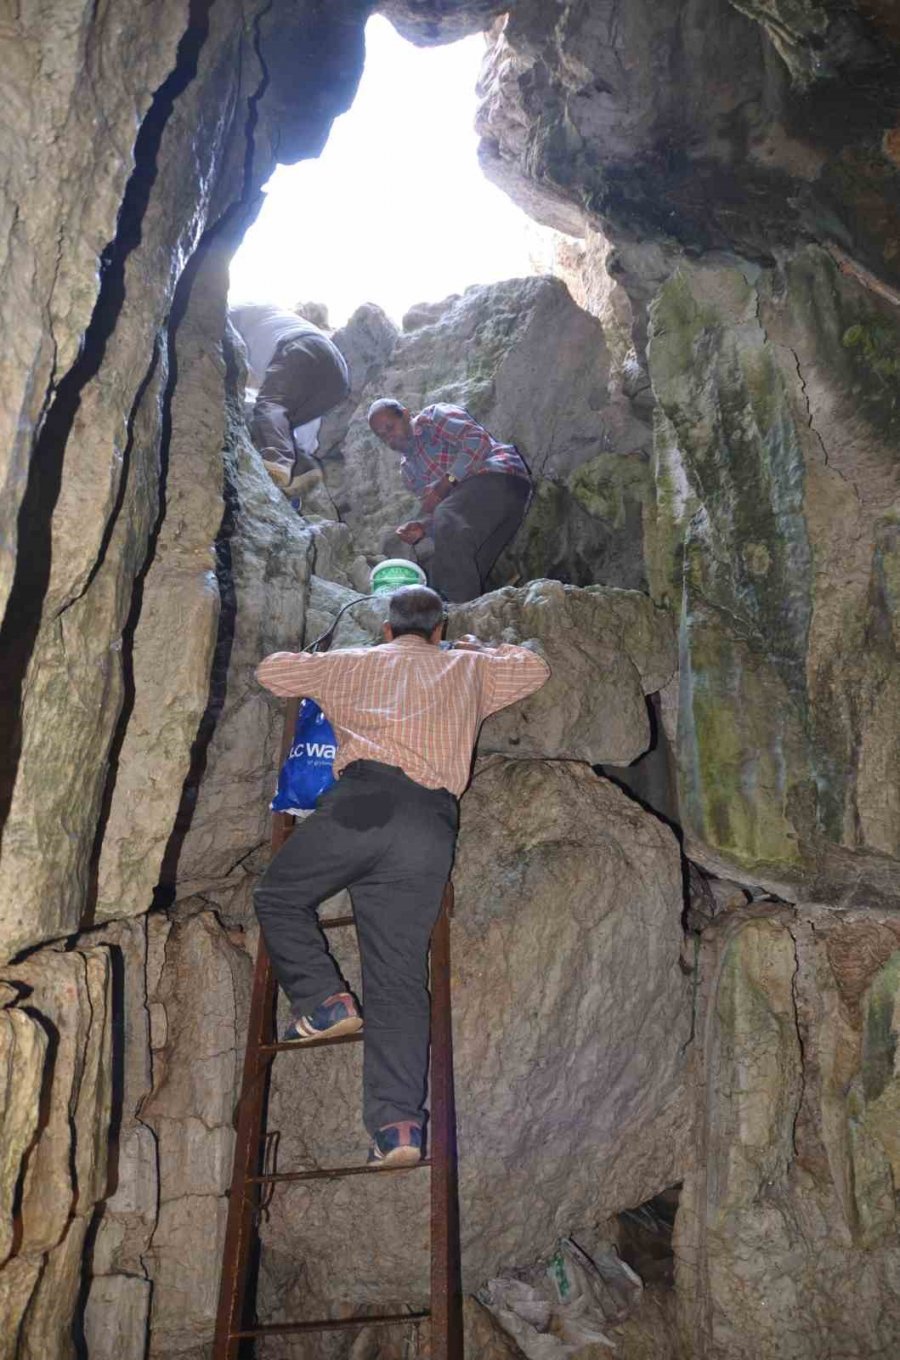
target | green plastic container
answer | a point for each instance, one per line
(394, 573)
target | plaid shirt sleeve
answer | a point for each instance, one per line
(414, 478)
(470, 444)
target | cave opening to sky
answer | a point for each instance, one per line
(396, 210)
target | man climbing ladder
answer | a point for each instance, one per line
(406, 715)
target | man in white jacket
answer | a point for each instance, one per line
(300, 374)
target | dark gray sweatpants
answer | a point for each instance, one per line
(391, 842)
(472, 526)
(306, 377)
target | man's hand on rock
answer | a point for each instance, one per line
(470, 643)
(413, 531)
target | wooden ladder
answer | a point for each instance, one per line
(252, 1184)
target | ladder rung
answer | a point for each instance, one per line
(331, 1172)
(328, 1325)
(311, 1043)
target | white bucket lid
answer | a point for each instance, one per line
(394, 572)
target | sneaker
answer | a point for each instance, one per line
(338, 1014)
(280, 475)
(304, 481)
(397, 1144)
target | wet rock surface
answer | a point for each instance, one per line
(710, 407)
(775, 469)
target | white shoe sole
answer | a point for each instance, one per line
(351, 1025)
(403, 1156)
(280, 476)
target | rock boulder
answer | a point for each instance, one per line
(607, 649)
(535, 370)
(570, 1019)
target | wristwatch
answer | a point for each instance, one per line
(454, 481)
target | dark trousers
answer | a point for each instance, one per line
(472, 526)
(391, 842)
(306, 377)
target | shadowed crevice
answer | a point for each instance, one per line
(218, 683)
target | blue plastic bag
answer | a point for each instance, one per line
(307, 772)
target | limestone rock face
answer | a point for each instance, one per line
(61, 1098)
(775, 541)
(54, 231)
(786, 1240)
(535, 369)
(93, 522)
(606, 650)
(268, 570)
(153, 1146)
(95, 257)
(572, 916)
(24, 1050)
(171, 680)
(427, 313)
(366, 342)
(427, 21)
(700, 127)
(567, 936)
(118, 1306)
(117, 1316)
(818, 41)
(198, 1052)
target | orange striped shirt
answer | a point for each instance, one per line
(406, 702)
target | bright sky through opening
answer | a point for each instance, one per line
(396, 210)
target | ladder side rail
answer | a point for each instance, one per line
(244, 1198)
(446, 1284)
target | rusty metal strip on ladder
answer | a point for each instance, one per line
(252, 1183)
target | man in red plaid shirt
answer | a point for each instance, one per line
(474, 491)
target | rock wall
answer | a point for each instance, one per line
(58, 1064)
(786, 1238)
(695, 127)
(772, 378)
(710, 407)
(774, 542)
(536, 370)
(137, 528)
(94, 394)
(530, 927)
